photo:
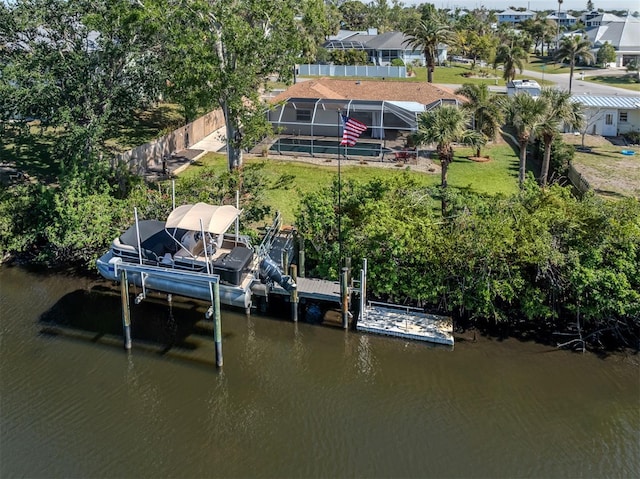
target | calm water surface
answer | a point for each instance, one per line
(292, 400)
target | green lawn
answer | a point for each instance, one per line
(547, 65)
(619, 81)
(455, 74)
(33, 154)
(610, 173)
(498, 176)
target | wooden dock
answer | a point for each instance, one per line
(406, 322)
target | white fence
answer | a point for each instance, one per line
(352, 71)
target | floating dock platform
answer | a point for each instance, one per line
(405, 322)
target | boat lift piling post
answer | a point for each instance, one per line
(126, 318)
(363, 288)
(344, 293)
(294, 294)
(237, 217)
(217, 328)
(301, 256)
(285, 261)
(173, 195)
(135, 214)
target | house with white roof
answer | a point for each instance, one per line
(563, 19)
(622, 33)
(610, 115)
(513, 16)
(382, 48)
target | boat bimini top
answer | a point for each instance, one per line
(201, 218)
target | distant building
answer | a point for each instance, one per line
(513, 17)
(383, 48)
(563, 19)
(531, 87)
(623, 33)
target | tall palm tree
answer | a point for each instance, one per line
(427, 35)
(444, 126)
(486, 111)
(572, 48)
(511, 57)
(525, 113)
(559, 110)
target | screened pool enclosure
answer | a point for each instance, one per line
(314, 126)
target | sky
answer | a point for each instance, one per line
(632, 5)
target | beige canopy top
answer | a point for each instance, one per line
(215, 219)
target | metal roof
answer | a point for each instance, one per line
(625, 102)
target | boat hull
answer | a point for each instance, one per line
(168, 280)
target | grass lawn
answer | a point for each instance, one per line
(33, 155)
(609, 172)
(498, 176)
(146, 126)
(454, 74)
(625, 81)
(547, 65)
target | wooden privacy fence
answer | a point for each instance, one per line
(579, 181)
(150, 155)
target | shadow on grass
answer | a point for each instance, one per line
(30, 153)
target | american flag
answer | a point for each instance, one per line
(352, 130)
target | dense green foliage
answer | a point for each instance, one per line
(71, 224)
(529, 257)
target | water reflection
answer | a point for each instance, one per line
(293, 400)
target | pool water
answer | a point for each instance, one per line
(325, 147)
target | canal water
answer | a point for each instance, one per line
(292, 400)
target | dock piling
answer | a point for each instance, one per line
(294, 294)
(217, 328)
(126, 318)
(344, 293)
(301, 257)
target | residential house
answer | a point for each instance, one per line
(513, 17)
(381, 48)
(312, 108)
(563, 19)
(622, 33)
(610, 115)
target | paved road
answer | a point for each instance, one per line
(579, 86)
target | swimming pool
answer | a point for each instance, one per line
(324, 147)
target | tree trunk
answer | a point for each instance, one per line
(431, 64)
(445, 159)
(523, 161)
(546, 160)
(234, 152)
(572, 64)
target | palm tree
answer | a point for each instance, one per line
(486, 111)
(525, 113)
(572, 48)
(427, 35)
(559, 110)
(511, 57)
(444, 126)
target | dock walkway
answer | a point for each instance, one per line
(405, 322)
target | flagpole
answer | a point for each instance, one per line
(339, 197)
